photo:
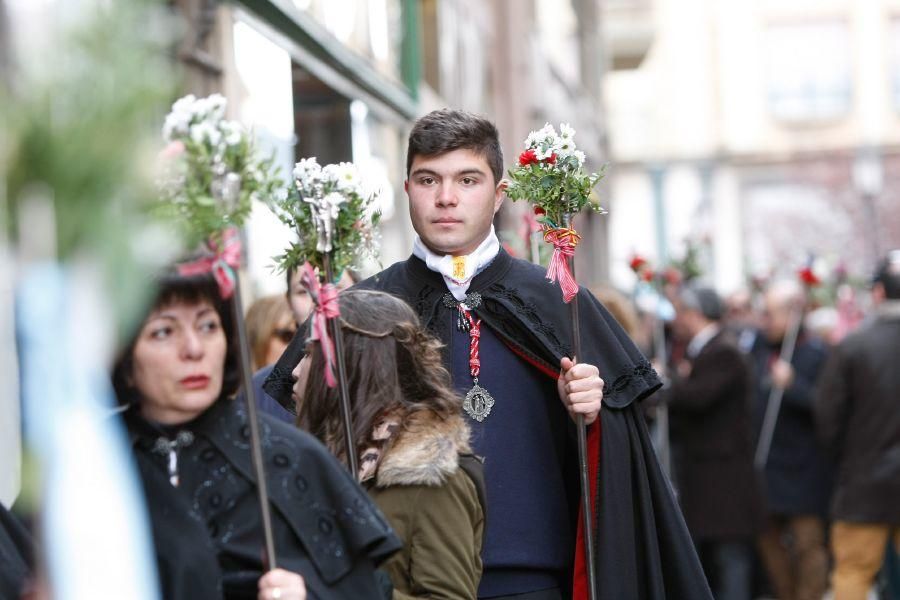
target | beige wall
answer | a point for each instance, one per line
(703, 99)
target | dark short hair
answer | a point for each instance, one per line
(445, 130)
(173, 288)
(702, 299)
(888, 274)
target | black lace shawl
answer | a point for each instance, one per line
(206, 531)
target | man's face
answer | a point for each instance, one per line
(684, 326)
(776, 315)
(452, 200)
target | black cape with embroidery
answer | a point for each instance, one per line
(642, 547)
(207, 531)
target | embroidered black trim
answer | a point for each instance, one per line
(423, 300)
(642, 372)
(530, 314)
(280, 384)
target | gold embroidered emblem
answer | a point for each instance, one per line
(459, 268)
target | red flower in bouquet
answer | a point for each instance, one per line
(648, 275)
(528, 157)
(551, 160)
(808, 278)
(539, 212)
(637, 263)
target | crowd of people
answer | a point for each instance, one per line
(463, 401)
(815, 505)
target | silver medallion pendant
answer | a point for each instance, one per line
(478, 403)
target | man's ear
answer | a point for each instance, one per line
(500, 193)
(406, 185)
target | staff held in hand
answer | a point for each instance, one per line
(335, 220)
(550, 175)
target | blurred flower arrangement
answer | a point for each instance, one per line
(332, 214)
(671, 275)
(211, 169)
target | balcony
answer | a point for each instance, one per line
(628, 32)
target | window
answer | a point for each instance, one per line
(808, 70)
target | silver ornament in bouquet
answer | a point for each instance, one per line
(334, 218)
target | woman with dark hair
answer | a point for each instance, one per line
(411, 439)
(191, 443)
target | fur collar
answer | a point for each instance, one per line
(425, 451)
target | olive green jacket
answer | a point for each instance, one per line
(435, 507)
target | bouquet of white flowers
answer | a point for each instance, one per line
(332, 215)
(211, 170)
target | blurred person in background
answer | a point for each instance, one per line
(621, 308)
(858, 418)
(797, 476)
(270, 328)
(190, 440)
(822, 322)
(710, 417)
(742, 318)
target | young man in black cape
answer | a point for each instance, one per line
(508, 340)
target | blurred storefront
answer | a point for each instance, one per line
(345, 79)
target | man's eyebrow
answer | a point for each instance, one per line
(423, 171)
(466, 171)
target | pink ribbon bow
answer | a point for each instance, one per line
(325, 298)
(224, 259)
(564, 241)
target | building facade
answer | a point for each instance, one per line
(765, 132)
(345, 79)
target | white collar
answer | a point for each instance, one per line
(699, 341)
(475, 262)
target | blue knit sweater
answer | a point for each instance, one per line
(529, 537)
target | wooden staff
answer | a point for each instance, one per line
(338, 336)
(587, 520)
(269, 560)
(773, 407)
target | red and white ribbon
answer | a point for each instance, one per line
(564, 241)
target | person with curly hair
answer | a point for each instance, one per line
(412, 442)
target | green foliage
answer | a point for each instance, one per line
(559, 191)
(211, 171)
(77, 132)
(550, 175)
(323, 199)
